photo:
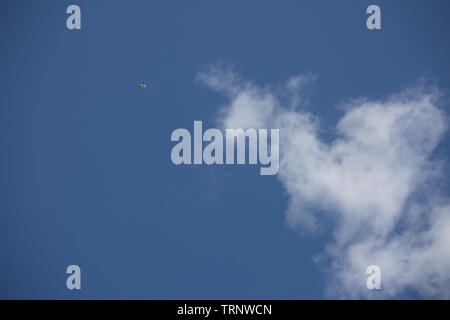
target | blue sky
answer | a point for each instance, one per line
(85, 157)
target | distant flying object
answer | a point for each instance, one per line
(142, 85)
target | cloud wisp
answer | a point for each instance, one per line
(374, 185)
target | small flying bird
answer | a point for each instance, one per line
(142, 85)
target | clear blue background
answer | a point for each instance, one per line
(85, 170)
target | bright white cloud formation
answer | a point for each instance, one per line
(373, 185)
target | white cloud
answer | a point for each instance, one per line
(368, 181)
